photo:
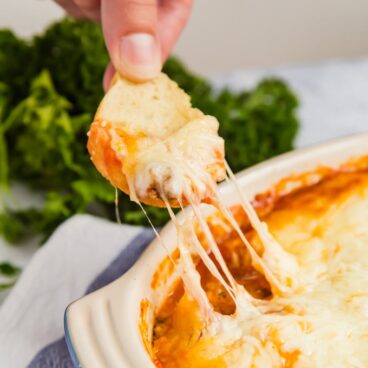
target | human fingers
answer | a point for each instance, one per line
(130, 30)
(173, 15)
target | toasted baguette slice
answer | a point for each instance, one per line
(148, 141)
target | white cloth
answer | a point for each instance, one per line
(334, 102)
(60, 272)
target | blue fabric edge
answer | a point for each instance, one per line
(72, 352)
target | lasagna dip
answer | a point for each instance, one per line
(309, 310)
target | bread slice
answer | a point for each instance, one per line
(148, 141)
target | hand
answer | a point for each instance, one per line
(139, 34)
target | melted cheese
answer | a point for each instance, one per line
(271, 264)
(320, 323)
(174, 164)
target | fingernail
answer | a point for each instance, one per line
(140, 56)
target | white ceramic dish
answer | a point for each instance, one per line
(102, 328)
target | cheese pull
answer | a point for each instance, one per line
(148, 141)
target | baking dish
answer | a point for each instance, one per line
(104, 329)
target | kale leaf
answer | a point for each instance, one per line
(256, 124)
(75, 55)
(10, 273)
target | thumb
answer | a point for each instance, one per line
(130, 30)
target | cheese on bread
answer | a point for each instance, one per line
(148, 141)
